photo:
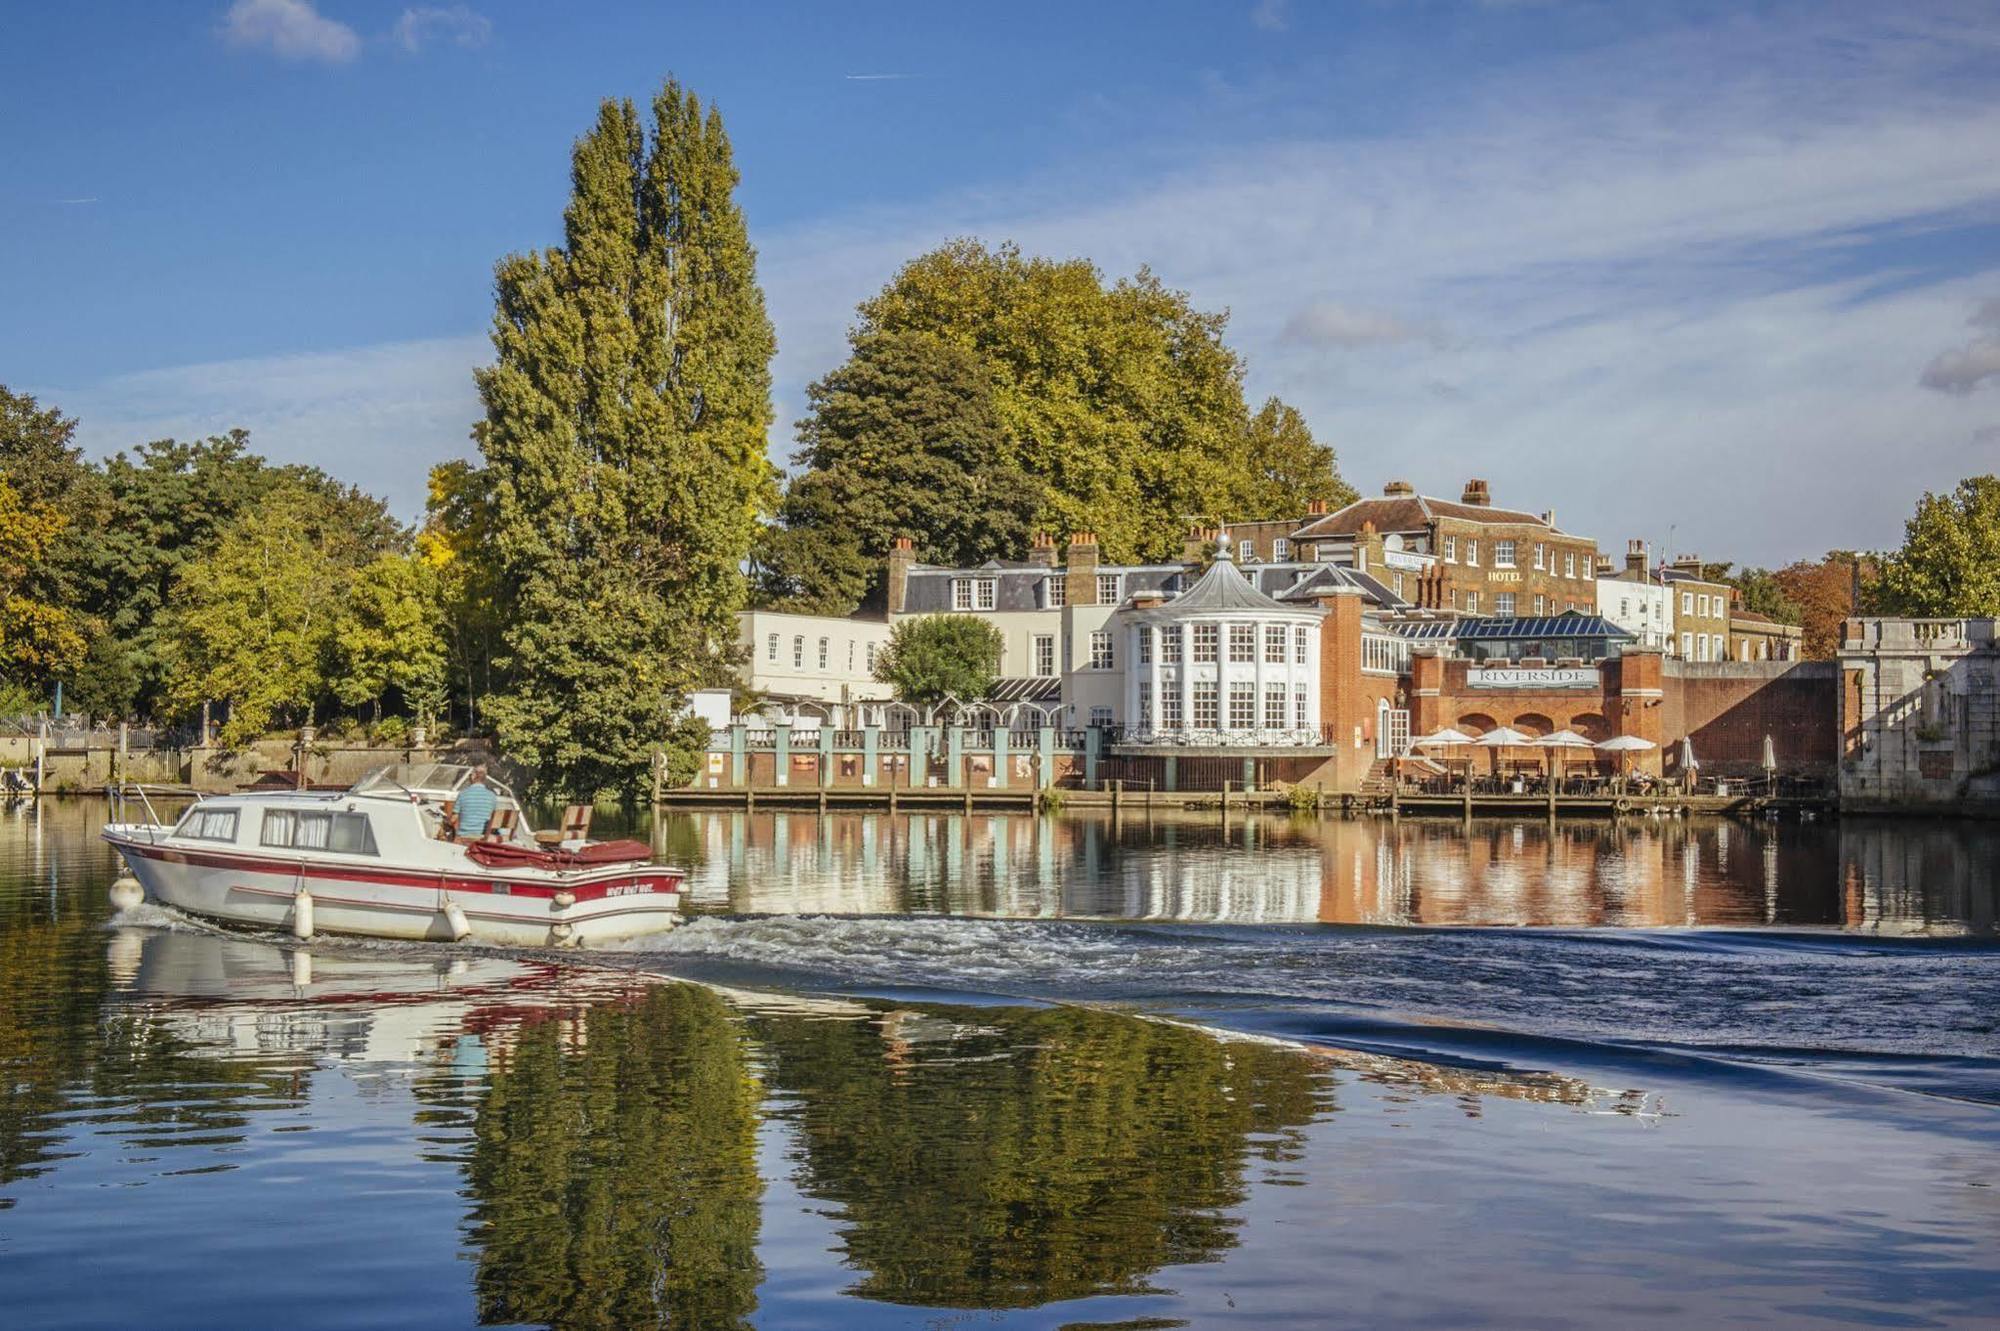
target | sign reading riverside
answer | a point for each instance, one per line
(1526, 677)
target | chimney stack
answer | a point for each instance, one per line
(1200, 541)
(1080, 580)
(1476, 494)
(1316, 508)
(902, 554)
(1635, 557)
(1043, 550)
(1398, 490)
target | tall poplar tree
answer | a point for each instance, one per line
(624, 437)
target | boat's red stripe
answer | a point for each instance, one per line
(585, 889)
(664, 906)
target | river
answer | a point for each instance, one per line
(1004, 1071)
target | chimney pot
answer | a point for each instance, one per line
(1316, 508)
(1476, 493)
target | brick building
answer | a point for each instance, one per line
(1467, 556)
(1758, 637)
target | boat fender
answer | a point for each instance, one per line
(1622, 805)
(563, 933)
(454, 918)
(302, 914)
(564, 900)
(126, 894)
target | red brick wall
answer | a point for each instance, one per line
(1726, 709)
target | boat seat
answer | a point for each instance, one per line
(576, 822)
(501, 828)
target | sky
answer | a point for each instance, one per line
(1721, 276)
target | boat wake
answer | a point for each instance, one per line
(1920, 1016)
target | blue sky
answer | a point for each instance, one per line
(1719, 269)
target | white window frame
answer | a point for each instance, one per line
(1172, 645)
(1472, 552)
(1102, 653)
(1107, 589)
(771, 648)
(1056, 591)
(1503, 552)
(1242, 644)
(1245, 551)
(1281, 550)
(1451, 549)
(798, 651)
(1206, 649)
(1045, 655)
(825, 647)
(1301, 644)
(983, 591)
(1503, 604)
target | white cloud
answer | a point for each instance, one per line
(1964, 368)
(460, 25)
(1271, 15)
(292, 29)
(376, 416)
(1328, 323)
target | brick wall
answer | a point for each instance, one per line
(1726, 709)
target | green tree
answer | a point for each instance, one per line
(1285, 468)
(904, 439)
(1121, 401)
(253, 622)
(40, 460)
(931, 656)
(624, 440)
(38, 639)
(390, 636)
(1949, 564)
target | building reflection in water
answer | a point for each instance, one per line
(1922, 876)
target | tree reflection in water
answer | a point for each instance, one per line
(613, 1169)
(1009, 1158)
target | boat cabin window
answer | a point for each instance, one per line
(314, 829)
(208, 824)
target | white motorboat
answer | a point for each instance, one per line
(374, 860)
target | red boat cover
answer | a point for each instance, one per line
(506, 854)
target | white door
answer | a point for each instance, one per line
(1392, 731)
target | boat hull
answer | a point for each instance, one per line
(510, 910)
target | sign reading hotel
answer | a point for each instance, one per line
(1531, 677)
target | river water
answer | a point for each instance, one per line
(950, 1071)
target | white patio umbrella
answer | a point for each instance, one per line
(1689, 763)
(1622, 745)
(1503, 737)
(1446, 739)
(1770, 755)
(1561, 739)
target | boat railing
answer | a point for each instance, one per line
(123, 793)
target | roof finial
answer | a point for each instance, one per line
(1222, 544)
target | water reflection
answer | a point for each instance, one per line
(1904, 877)
(1007, 1158)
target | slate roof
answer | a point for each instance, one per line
(1225, 588)
(1330, 579)
(1408, 513)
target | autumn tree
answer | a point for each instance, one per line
(1822, 591)
(1949, 563)
(389, 637)
(624, 433)
(38, 638)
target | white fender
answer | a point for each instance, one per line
(302, 914)
(454, 918)
(126, 894)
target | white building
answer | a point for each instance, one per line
(1222, 660)
(813, 668)
(1643, 609)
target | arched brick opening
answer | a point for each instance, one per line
(1533, 723)
(1476, 723)
(1591, 725)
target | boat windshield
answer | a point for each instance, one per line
(439, 781)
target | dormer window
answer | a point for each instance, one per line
(1057, 592)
